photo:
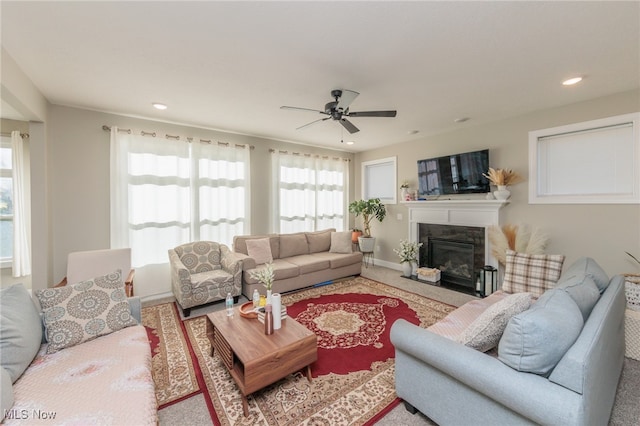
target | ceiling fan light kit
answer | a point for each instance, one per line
(338, 110)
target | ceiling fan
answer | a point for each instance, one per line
(338, 110)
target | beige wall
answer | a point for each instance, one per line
(8, 126)
(70, 185)
(603, 232)
(19, 92)
(79, 158)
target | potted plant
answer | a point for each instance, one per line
(369, 209)
(408, 253)
(266, 277)
(355, 234)
(404, 188)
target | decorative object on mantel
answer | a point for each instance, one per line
(265, 276)
(404, 191)
(368, 209)
(502, 178)
(520, 238)
(632, 287)
(408, 253)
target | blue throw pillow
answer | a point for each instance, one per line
(536, 339)
(583, 290)
(20, 330)
(588, 266)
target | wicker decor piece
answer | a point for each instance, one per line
(632, 334)
(632, 291)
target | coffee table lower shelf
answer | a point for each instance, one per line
(255, 360)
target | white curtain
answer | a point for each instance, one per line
(21, 252)
(221, 185)
(309, 192)
(166, 192)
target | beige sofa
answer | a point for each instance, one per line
(299, 260)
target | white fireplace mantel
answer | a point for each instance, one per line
(480, 213)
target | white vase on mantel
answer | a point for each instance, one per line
(406, 269)
(502, 193)
(414, 268)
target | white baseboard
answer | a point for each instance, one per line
(386, 264)
(155, 297)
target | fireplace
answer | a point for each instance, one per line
(458, 229)
(454, 259)
(458, 251)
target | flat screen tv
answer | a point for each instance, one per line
(454, 174)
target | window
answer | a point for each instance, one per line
(379, 180)
(6, 202)
(169, 192)
(310, 192)
(592, 162)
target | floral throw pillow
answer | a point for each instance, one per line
(77, 313)
(531, 273)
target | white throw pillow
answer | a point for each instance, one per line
(260, 250)
(341, 242)
(485, 331)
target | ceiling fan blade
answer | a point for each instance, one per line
(372, 114)
(349, 126)
(313, 122)
(346, 98)
(301, 109)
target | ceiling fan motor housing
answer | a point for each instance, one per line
(330, 108)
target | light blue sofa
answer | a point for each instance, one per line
(453, 384)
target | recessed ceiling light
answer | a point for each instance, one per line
(349, 142)
(159, 106)
(461, 119)
(572, 81)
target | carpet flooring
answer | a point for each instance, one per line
(626, 411)
(353, 377)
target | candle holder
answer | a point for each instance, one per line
(487, 281)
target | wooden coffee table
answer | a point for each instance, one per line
(255, 359)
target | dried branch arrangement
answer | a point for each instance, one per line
(503, 177)
(520, 238)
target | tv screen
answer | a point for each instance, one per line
(454, 174)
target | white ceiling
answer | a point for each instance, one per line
(231, 65)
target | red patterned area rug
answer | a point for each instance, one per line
(353, 379)
(174, 374)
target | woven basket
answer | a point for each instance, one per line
(632, 291)
(632, 334)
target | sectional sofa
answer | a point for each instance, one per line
(299, 260)
(557, 362)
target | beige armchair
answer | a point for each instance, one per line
(204, 272)
(84, 265)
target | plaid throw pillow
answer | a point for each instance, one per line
(531, 273)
